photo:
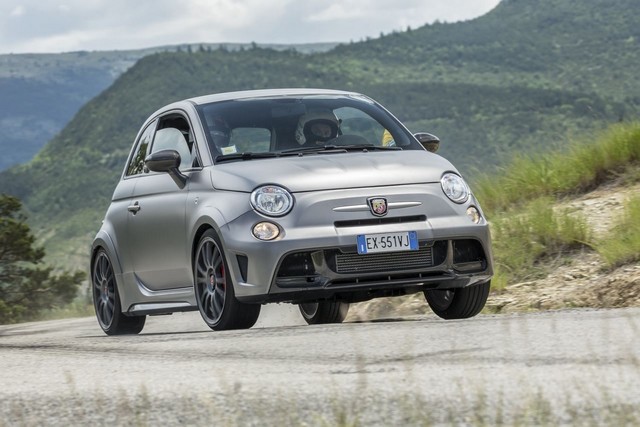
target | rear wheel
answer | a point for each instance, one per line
(214, 289)
(106, 300)
(316, 313)
(458, 303)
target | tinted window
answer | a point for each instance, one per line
(136, 166)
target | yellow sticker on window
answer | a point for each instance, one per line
(387, 139)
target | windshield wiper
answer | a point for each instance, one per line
(245, 156)
(317, 149)
(370, 147)
(339, 148)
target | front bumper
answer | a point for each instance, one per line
(320, 233)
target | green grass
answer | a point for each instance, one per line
(622, 244)
(582, 166)
(524, 241)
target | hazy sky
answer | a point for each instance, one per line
(70, 25)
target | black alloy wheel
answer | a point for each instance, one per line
(214, 291)
(106, 300)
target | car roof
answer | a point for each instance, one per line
(264, 93)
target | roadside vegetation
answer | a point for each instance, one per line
(27, 287)
(530, 236)
(580, 167)
(525, 243)
(622, 245)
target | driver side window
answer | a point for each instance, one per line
(136, 165)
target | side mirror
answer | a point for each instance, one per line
(429, 142)
(167, 161)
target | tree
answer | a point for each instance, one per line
(27, 286)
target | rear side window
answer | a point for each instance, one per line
(136, 165)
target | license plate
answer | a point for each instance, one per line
(387, 242)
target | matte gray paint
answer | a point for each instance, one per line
(316, 172)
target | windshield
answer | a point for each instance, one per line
(301, 124)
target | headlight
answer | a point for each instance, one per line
(271, 200)
(454, 187)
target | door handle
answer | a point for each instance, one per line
(134, 208)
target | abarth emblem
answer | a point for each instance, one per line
(378, 205)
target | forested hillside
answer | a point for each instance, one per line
(575, 45)
(524, 77)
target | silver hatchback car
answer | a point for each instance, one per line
(319, 198)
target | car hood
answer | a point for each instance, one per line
(332, 171)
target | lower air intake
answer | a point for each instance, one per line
(382, 262)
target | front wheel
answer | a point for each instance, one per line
(106, 300)
(214, 289)
(458, 303)
(316, 313)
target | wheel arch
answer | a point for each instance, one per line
(103, 241)
(204, 223)
(196, 239)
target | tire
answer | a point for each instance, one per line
(214, 290)
(106, 300)
(458, 303)
(318, 313)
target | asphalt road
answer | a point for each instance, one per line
(562, 365)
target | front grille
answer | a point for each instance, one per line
(347, 263)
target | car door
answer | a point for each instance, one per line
(157, 225)
(120, 210)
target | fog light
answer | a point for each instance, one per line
(473, 214)
(265, 231)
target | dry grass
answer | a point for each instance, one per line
(249, 408)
